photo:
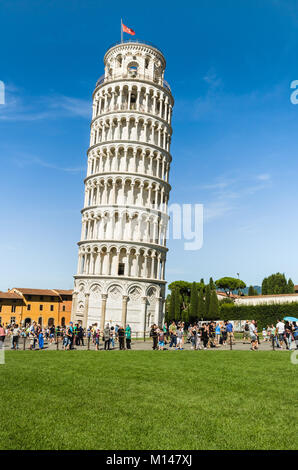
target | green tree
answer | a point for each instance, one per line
(213, 312)
(228, 284)
(167, 308)
(291, 287)
(211, 283)
(276, 284)
(265, 286)
(185, 314)
(201, 313)
(193, 306)
(184, 290)
(207, 299)
(252, 291)
(177, 304)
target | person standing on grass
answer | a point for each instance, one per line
(80, 335)
(205, 335)
(112, 337)
(106, 337)
(161, 339)
(173, 334)
(193, 337)
(288, 334)
(128, 337)
(212, 335)
(40, 338)
(2, 336)
(230, 332)
(121, 335)
(253, 335)
(272, 330)
(116, 332)
(166, 331)
(281, 333)
(224, 333)
(198, 338)
(97, 338)
(295, 333)
(246, 332)
(71, 335)
(268, 329)
(89, 333)
(217, 333)
(154, 336)
(15, 336)
(32, 335)
(52, 334)
(68, 335)
(180, 338)
(32, 338)
(183, 330)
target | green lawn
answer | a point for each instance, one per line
(148, 400)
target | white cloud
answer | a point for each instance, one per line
(17, 108)
(264, 177)
(21, 161)
(226, 193)
(212, 78)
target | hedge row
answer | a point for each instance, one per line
(263, 314)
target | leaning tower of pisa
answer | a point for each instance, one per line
(122, 251)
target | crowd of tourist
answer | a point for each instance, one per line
(216, 334)
(70, 336)
(201, 335)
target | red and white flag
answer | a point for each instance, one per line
(128, 30)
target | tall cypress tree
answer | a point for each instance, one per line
(207, 300)
(193, 307)
(201, 305)
(211, 283)
(252, 291)
(177, 305)
(213, 313)
(172, 305)
(265, 286)
(291, 287)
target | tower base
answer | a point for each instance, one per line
(100, 300)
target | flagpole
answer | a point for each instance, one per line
(121, 31)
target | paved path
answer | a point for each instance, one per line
(139, 345)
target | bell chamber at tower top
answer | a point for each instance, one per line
(134, 60)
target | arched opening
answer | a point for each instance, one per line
(132, 69)
(50, 321)
(27, 321)
(63, 321)
(40, 321)
(119, 60)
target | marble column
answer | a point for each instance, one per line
(124, 310)
(103, 311)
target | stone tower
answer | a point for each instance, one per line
(122, 252)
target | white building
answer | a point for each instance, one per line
(266, 299)
(259, 299)
(122, 252)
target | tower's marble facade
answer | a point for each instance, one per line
(122, 252)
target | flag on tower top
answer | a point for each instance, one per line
(128, 30)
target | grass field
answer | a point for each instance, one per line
(148, 400)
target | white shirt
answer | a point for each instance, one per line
(280, 327)
(252, 329)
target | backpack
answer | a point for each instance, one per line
(246, 328)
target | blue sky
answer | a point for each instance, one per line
(234, 146)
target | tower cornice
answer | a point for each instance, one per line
(132, 142)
